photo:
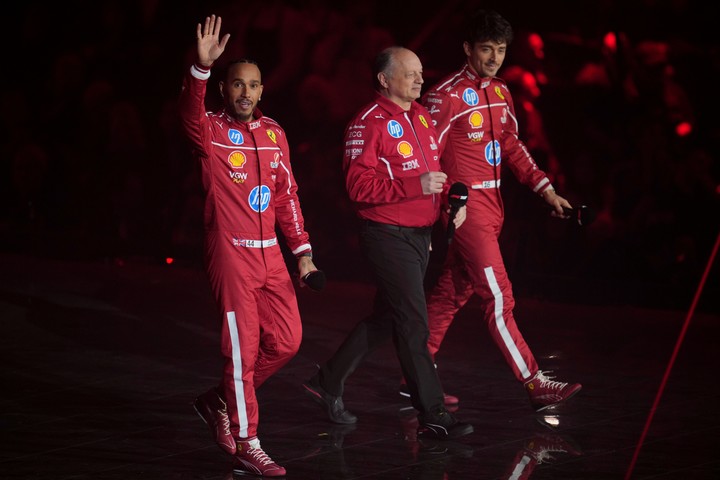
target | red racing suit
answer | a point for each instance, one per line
(249, 187)
(386, 150)
(477, 130)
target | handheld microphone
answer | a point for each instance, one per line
(581, 215)
(315, 280)
(457, 197)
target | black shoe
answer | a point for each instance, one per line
(332, 404)
(441, 424)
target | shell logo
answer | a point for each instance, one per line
(237, 159)
(423, 121)
(499, 93)
(476, 120)
(405, 149)
(272, 136)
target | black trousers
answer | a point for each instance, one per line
(398, 257)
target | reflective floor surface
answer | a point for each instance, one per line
(100, 364)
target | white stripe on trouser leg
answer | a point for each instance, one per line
(500, 324)
(519, 468)
(237, 375)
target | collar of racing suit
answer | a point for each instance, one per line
(257, 115)
(393, 108)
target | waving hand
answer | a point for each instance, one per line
(209, 45)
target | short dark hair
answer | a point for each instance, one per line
(237, 62)
(384, 63)
(484, 25)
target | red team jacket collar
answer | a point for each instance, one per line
(257, 115)
(468, 72)
(393, 108)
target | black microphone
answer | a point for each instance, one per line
(582, 215)
(457, 197)
(315, 280)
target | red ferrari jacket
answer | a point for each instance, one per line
(477, 130)
(246, 171)
(386, 151)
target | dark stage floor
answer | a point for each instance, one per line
(100, 364)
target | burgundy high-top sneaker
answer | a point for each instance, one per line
(213, 410)
(544, 392)
(251, 458)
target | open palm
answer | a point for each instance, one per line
(209, 45)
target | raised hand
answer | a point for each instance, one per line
(209, 45)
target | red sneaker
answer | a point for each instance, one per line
(544, 392)
(251, 458)
(213, 410)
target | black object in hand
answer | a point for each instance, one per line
(581, 215)
(315, 280)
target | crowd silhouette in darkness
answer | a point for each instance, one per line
(614, 99)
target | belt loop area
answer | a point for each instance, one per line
(396, 228)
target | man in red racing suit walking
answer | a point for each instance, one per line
(477, 129)
(249, 186)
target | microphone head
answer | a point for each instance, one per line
(582, 215)
(585, 215)
(315, 280)
(458, 195)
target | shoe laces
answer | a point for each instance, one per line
(547, 381)
(543, 448)
(224, 418)
(258, 453)
(543, 456)
(225, 421)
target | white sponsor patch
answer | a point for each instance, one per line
(411, 165)
(238, 177)
(475, 136)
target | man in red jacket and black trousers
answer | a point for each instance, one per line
(394, 180)
(249, 187)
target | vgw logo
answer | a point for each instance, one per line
(259, 198)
